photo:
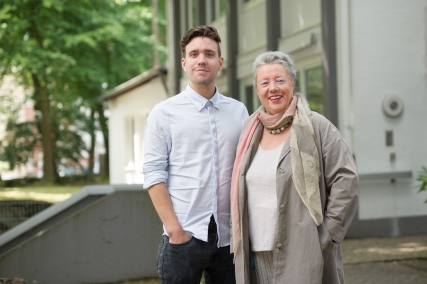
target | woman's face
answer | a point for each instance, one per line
(274, 87)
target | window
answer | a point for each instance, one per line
(249, 98)
(133, 144)
(297, 83)
(193, 13)
(213, 10)
(314, 88)
(310, 83)
(184, 16)
(188, 15)
(129, 141)
(223, 8)
(216, 9)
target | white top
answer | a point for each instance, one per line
(190, 144)
(262, 198)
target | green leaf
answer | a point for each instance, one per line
(422, 177)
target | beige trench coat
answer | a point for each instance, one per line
(305, 253)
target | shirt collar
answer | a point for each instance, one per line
(199, 101)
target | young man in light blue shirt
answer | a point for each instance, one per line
(190, 145)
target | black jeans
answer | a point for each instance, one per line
(185, 263)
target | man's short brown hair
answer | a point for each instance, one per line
(203, 31)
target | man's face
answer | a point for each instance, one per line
(202, 62)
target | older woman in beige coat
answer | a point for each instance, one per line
(295, 188)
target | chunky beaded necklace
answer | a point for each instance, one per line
(280, 129)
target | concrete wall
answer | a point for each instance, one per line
(114, 239)
(128, 114)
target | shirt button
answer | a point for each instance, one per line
(281, 207)
(279, 246)
(280, 170)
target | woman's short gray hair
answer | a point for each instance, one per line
(275, 57)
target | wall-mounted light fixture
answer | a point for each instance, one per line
(393, 105)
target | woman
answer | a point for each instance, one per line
(294, 189)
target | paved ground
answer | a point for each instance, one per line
(386, 260)
(399, 260)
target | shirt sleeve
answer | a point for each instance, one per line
(157, 145)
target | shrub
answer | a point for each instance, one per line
(422, 177)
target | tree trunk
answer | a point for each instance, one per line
(104, 129)
(155, 31)
(92, 143)
(42, 103)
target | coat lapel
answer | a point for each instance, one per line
(286, 148)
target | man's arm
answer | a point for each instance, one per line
(162, 203)
(157, 142)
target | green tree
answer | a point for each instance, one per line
(65, 51)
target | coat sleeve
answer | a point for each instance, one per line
(340, 179)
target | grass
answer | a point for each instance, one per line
(52, 194)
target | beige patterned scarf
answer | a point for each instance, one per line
(304, 159)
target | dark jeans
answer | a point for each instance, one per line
(185, 263)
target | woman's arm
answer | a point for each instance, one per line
(341, 182)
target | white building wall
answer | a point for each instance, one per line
(386, 51)
(344, 74)
(126, 141)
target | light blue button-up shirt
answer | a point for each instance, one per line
(190, 145)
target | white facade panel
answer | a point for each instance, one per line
(252, 26)
(344, 74)
(388, 57)
(384, 199)
(299, 15)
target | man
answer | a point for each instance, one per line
(190, 146)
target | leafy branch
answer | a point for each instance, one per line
(422, 177)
